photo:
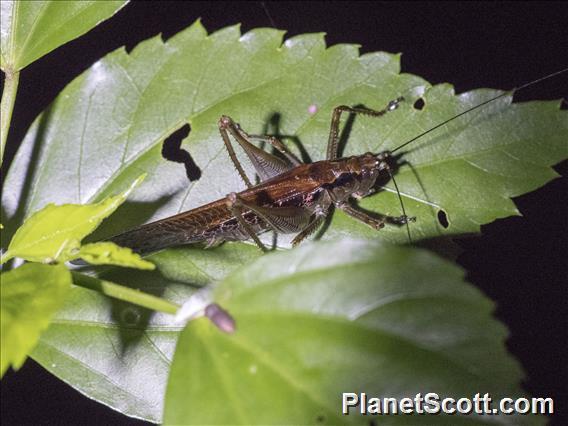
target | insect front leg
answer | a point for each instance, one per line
(333, 140)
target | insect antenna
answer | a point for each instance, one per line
(404, 216)
(509, 92)
(263, 4)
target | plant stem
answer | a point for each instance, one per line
(125, 293)
(6, 107)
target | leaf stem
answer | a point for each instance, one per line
(125, 293)
(6, 106)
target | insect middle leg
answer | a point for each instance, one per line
(333, 140)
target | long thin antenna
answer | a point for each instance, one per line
(406, 218)
(509, 92)
(263, 4)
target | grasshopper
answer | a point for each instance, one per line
(292, 196)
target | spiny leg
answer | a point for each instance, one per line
(224, 124)
(308, 230)
(278, 145)
(320, 212)
(265, 164)
(333, 140)
(280, 219)
(235, 205)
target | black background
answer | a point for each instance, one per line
(518, 262)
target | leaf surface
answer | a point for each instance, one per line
(120, 354)
(31, 29)
(114, 117)
(30, 297)
(327, 318)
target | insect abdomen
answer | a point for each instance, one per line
(210, 223)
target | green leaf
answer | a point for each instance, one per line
(115, 116)
(327, 318)
(54, 233)
(119, 354)
(31, 29)
(30, 297)
(107, 253)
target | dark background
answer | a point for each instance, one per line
(519, 262)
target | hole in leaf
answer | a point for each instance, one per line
(320, 418)
(172, 151)
(419, 104)
(443, 218)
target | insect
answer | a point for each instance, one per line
(292, 197)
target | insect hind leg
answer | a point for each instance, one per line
(308, 230)
(279, 146)
(280, 219)
(235, 205)
(265, 164)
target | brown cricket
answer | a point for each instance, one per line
(292, 197)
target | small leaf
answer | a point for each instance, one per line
(327, 318)
(107, 253)
(54, 233)
(31, 29)
(30, 297)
